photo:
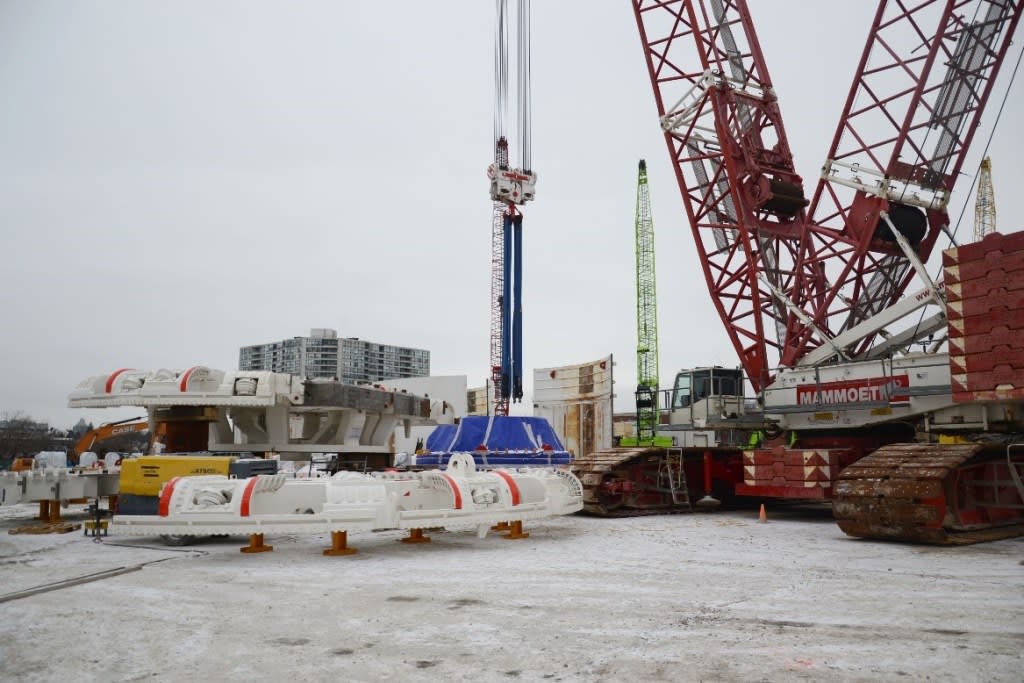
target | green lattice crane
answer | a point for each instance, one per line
(647, 404)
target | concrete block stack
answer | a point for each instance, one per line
(801, 468)
(985, 304)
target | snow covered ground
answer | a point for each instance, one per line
(717, 597)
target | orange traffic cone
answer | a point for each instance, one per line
(762, 517)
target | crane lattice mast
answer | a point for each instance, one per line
(509, 187)
(646, 316)
(984, 203)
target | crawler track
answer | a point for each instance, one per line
(944, 494)
(627, 482)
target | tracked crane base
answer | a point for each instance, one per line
(628, 482)
(941, 494)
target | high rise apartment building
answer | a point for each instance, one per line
(323, 354)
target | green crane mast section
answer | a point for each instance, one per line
(647, 404)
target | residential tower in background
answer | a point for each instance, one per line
(324, 354)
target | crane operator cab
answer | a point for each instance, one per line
(702, 397)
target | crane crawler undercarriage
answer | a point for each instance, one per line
(626, 482)
(943, 494)
(632, 481)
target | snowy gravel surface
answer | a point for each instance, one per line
(715, 597)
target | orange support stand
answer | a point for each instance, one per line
(415, 536)
(256, 545)
(501, 526)
(49, 510)
(339, 544)
(516, 532)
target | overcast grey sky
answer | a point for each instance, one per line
(178, 179)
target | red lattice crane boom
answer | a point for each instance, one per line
(786, 277)
(923, 79)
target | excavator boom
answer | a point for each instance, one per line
(109, 430)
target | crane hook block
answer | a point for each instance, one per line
(511, 185)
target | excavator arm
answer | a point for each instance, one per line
(107, 431)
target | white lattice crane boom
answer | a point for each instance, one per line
(985, 203)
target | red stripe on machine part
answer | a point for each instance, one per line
(247, 496)
(165, 496)
(113, 376)
(455, 490)
(184, 378)
(513, 489)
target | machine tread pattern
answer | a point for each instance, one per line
(905, 492)
(595, 470)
